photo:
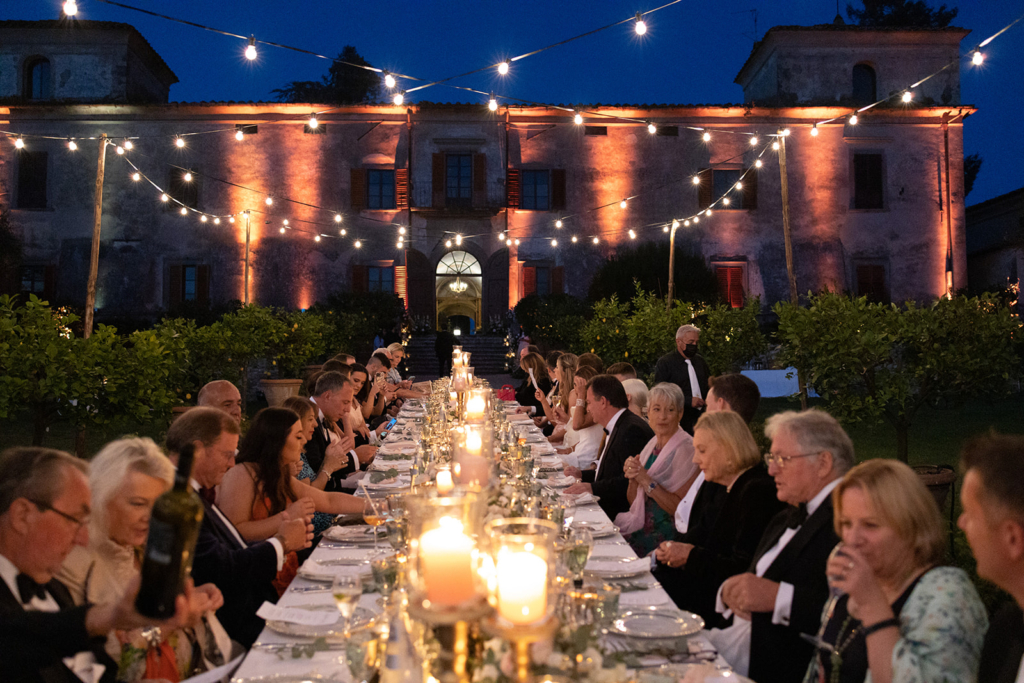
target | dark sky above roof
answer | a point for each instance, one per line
(691, 53)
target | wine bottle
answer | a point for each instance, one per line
(173, 529)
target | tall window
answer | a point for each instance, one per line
(459, 180)
(724, 181)
(864, 88)
(868, 185)
(32, 180)
(543, 281)
(380, 189)
(381, 279)
(730, 285)
(37, 79)
(536, 193)
(189, 275)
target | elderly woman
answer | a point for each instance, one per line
(637, 393)
(694, 565)
(661, 474)
(902, 617)
(261, 491)
(126, 478)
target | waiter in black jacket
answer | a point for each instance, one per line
(44, 638)
(625, 435)
(686, 368)
(782, 595)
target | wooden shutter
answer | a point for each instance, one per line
(174, 286)
(705, 189)
(871, 282)
(402, 188)
(529, 280)
(750, 190)
(558, 189)
(49, 282)
(730, 285)
(402, 285)
(558, 280)
(360, 278)
(513, 187)
(202, 284)
(479, 181)
(358, 188)
(437, 181)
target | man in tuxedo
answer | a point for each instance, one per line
(785, 590)
(626, 434)
(44, 513)
(327, 450)
(686, 368)
(993, 521)
(244, 573)
(222, 395)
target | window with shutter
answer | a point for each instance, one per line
(730, 285)
(871, 282)
(458, 180)
(543, 280)
(380, 189)
(705, 188)
(867, 181)
(32, 179)
(188, 283)
(174, 285)
(558, 196)
(203, 284)
(513, 188)
(357, 189)
(723, 184)
(529, 280)
(33, 280)
(536, 191)
(558, 280)
(380, 279)
(359, 278)
(402, 188)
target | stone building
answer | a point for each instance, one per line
(876, 208)
(995, 243)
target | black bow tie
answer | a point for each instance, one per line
(28, 588)
(797, 516)
(208, 495)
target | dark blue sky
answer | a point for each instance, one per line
(690, 54)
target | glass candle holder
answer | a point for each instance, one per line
(522, 550)
(473, 455)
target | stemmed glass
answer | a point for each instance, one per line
(347, 588)
(570, 511)
(375, 514)
(835, 593)
(577, 552)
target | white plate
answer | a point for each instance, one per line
(360, 620)
(597, 529)
(612, 567)
(290, 678)
(311, 570)
(358, 533)
(654, 622)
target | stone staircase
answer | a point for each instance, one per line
(488, 355)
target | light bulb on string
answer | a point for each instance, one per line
(285, 221)
(739, 185)
(706, 136)
(686, 223)
(675, 223)
(753, 141)
(164, 197)
(399, 99)
(400, 239)
(70, 8)
(577, 119)
(725, 201)
(401, 230)
(664, 228)
(854, 119)
(517, 242)
(508, 242)
(623, 204)
(282, 230)
(184, 211)
(632, 235)
(203, 218)
(313, 123)
(19, 143)
(651, 128)
(503, 68)
(977, 58)
(696, 219)
(707, 212)
(696, 180)
(554, 243)
(239, 135)
(179, 142)
(786, 132)
(758, 164)
(343, 232)
(357, 244)
(907, 96)
(119, 149)
(814, 130)
(775, 145)
(187, 177)
(389, 80)
(596, 240)
(250, 50)
(216, 221)
(337, 218)
(492, 104)
(72, 145)
(574, 240)
(269, 201)
(559, 223)
(448, 244)
(231, 219)
(317, 238)
(640, 26)
(398, 245)
(136, 176)
(458, 240)
(501, 237)
(128, 144)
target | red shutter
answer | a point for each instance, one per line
(479, 181)
(49, 282)
(174, 286)
(437, 181)
(402, 285)
(358, 198)
(730, 285)
(557, 189)
(704, 190)
(558, 280)
(202, 284)
(513, 188)
(360, 278)
(529, 280)
(402, 188)
(750, 190)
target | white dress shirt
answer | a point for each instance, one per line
(686, 504)
(609, 428)
(83, 664)
(238, 537)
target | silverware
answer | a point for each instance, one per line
(310, 589)
(343, 562)
(278, 647)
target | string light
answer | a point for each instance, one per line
(343, 232)
(517, 242)
(269, 201)
(317, 238)
(696, 180)
(399, 99)
(401, 230)
(398, 244)
(239, 135)
(853, 119)
(707, 136)
(216, 221)
(696, 219)
(640, 26)
(203, 219)
(707, 212)
(458, 240)
(179, 142)
(282, 229)
(250, 50)
(501, 237)
(622, 204)
(814, 130)
(785, 132)
(758, 164)
(686, 223)
(725, 201)
(503, 68)
(184, 211)
(596, 241)
(70, 8)
(632, 235)
(72, 145)
(977, 58)
(739, 185)
(313, 123)
(554, 243)
(389, 80)
(231, 219)
(19, 143)
(187, 177)
(675, 223)
(578, 119)
(508, 242)
(164, 197)
(775, 145)
(651, 128)
(285, 221)
(358, 244)
(128, 144)
(753, 141)
(907, 96)
(558, 223)
(492, 104)
(136, 176)
(574, 239)
(337, 218)
(119, 149)
(448, 244)
(664, 228)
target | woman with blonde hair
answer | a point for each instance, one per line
(126, 477)
(557, 413)
(901, 617)
(723, 542)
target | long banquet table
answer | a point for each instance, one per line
(261, 662)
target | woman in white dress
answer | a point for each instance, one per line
(557, 401)
(586, 431)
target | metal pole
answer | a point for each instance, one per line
(671, 268)
(788, 236)
(97, 221)
(949, 211)
(246, 297)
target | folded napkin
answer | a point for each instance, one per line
(643, 599)
(272, 612)
(519, 417)
(585, 498)
(601, 567)
(559, 481)
(596, 528)
(312, 570)
(399, 444)
(401, 481)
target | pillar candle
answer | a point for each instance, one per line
(522, 587)
(444, 482)
(446, 562)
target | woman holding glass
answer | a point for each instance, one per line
(261, 491)
(333, 461)
(899, 616)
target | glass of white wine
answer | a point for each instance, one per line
(347, 589)
(577, 552)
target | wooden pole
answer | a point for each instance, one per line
(671, 268)
(97, 221)
(246, 296)
(788, 235)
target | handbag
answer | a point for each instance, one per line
(506, 393)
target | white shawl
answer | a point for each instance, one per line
(671, 469)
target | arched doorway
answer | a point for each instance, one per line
(458, 287)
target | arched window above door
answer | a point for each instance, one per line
(458, 263)
(37, 79)
(864, 84)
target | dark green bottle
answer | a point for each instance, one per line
(173, 529)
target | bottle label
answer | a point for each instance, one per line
(160, 546)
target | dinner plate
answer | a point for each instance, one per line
(290, 678)
(359, 533)
(616, 567)
(311, 570)
(362, 618)
(673, 673)
(597, 529)
(655, 622)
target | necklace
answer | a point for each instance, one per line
(837, 652)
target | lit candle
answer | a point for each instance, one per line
(446, 561)
(444, 482)
(522, 587)
(459, 383)
(474, 444)
(475, 407)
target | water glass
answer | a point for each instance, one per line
(577, 552)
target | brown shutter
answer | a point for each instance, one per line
(437, 181)
(529, 280)
(202, 284)
(174, 286)
(736, 287)
(557, 189)
(750, 190)
(704, 190)
(513, 188)
(558, 280)
(358, 198)
(360, 278)
(49, 282)
(479, 181)
(871, 282)
(402, 188)
(402, 285)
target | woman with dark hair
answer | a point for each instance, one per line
(525, 393)
(369, 395)
(261, 491)
(306, 410)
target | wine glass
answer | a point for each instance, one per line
(347, 588)
(834, 595)
(385, 575)
(570, 512)
(398, 528)
(374, 514)
(577, 552)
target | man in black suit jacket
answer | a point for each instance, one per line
(626, 434)
(326, 450)
(993, 521)
(44, 513)
(785, 589)
(244, 573)
(675, 367)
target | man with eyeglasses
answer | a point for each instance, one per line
(785, 589)
(44, 513)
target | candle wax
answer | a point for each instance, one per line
(444, 482)
(522, 587)
(446, 563)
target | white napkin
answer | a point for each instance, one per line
(643, 599)
(618, 567)
(518, 417)
(559, 481)
(399, 444)
(305, 617)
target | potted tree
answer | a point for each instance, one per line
(301, 340)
